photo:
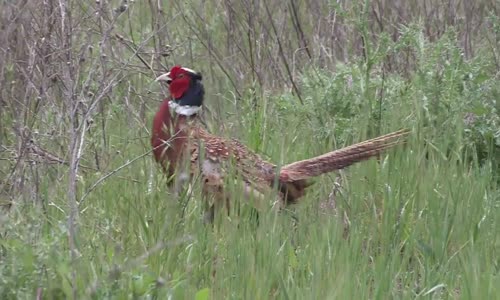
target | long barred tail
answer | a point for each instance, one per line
(341, 158)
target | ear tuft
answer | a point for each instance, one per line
(194, 74)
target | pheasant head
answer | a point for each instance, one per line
(185, 88)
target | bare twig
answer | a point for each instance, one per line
(282, 54)
(102, 179)
(105, 177)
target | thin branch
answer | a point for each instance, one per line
(282, 54)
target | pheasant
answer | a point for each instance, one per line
(181, 144)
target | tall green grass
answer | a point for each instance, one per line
(423, 219)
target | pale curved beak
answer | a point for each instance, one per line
(164, 77)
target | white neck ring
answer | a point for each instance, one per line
(185, 110)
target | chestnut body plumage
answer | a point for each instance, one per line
(178, 138)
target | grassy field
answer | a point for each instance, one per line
(291, 80)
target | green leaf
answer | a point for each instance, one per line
(202, 294)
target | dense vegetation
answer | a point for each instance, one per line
(290, 80)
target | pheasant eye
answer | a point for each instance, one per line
(180, 75)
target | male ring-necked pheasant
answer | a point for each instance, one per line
(181, 144)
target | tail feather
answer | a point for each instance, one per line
(341, 158)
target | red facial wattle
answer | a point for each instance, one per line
(179, 86)
(180, 82)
